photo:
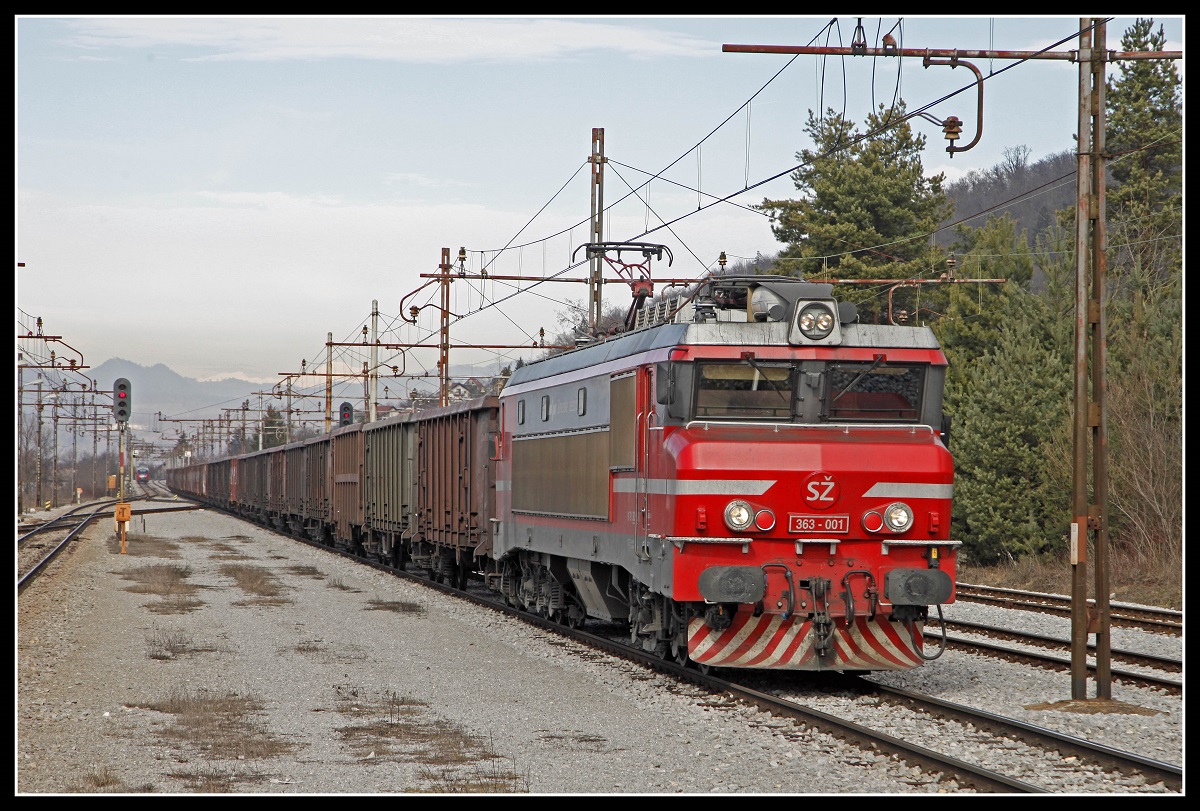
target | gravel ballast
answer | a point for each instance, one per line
(350, 680)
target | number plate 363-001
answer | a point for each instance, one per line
(839, 524)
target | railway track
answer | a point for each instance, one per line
(1054, 653)
(42, 542)
(1163, 620)
(1046, 745)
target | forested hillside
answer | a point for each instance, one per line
(1030, 193)
(866, 210)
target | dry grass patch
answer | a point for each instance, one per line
(337, 583)
(400, 728)
(581, 741)
(220, 725)
(140, 546)
(257, 582)
(493, 777)
(399, 606)
(307, 571)
(307, 646)
(175, 605)
(99, 780)
(1131, 580)
(215, 780)
(166, 644)
(223, 551)
(168, 581)
(162, 579)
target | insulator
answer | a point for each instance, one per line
(953, 128)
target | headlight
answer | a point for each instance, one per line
(898, 517)
(764, 520)
(738, 515)
(815, 321)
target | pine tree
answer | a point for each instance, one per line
(1144, 134)
(1010, 409)
(866, 209)
(273, 428)
(973, 313)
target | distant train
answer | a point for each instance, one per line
(142, 474)
(747, 479)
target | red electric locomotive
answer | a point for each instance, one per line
(749, 479)
(758, 481)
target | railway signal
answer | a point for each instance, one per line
(346, 415)
(121, 400)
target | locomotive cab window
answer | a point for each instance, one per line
(744, 390)
(520, 412)
(874, 392)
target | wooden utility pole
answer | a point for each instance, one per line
(1090, 419)
(1090, 518)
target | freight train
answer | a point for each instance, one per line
(748, 477)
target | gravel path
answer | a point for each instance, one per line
(349, 680)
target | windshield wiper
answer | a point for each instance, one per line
(878, 360)
(749, 358)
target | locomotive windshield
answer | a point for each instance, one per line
(755, 390)
(874, 392)
(744, 390)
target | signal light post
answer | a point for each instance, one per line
(121, 409)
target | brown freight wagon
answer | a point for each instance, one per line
(189, 480)
(252, 485)
(276, 486)
(216, 482)
(315, 509)
(390, 452)
(292, 508)
(455, 487)
(346, 485)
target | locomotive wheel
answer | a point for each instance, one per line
(679, 653)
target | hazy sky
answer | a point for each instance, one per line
(219, 193)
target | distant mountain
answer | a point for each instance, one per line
(159, 390)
